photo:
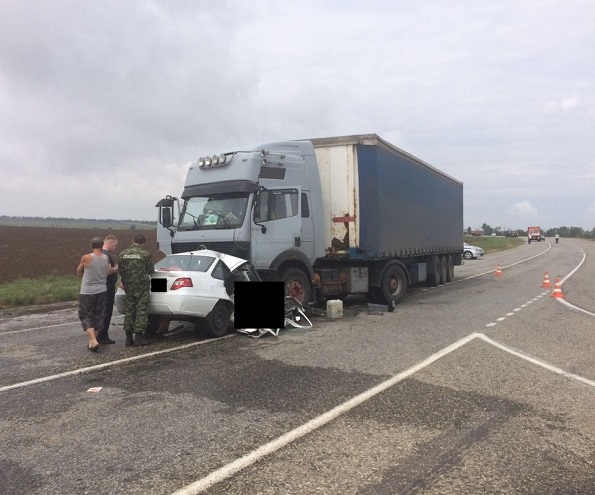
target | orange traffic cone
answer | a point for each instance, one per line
(498, 271)
(546, 281)
(557, 289)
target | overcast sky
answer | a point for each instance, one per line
(103, 104)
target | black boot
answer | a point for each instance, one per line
(105, 340)
(141, 339)
(129, 339)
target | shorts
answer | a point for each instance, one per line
(92, 310)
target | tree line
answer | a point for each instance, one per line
(561, 231)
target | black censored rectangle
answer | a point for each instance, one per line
(259, 305)
(158, 285)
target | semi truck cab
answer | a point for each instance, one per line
(255, 204)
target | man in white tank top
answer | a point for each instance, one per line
(94, 268)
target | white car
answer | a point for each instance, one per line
(195, 286)
(471, 252)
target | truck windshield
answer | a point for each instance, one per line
(225, 211)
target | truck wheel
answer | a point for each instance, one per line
(433, 279)
(297, 285)
(443, 270)
(217, 321)
(394, 284)
(450, 273)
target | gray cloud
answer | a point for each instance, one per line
(103, 104)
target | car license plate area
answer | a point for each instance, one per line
(158, 285)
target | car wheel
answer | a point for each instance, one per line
(218, 320)
(467, 255)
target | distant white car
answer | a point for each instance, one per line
(195, 286)
(471, 252)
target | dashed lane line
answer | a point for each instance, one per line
(515, 310)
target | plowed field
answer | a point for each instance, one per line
(34, 252)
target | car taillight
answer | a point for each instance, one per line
(181, 282)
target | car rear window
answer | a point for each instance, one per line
(184, 263)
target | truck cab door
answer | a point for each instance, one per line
(276, 224)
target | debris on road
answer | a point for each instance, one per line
(295, 316)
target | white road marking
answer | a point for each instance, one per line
(536, 361)
(289, 437)
(45, 327)
(572, 306)
(566, 303)
(256, 455)
(109, 364)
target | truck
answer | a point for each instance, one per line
(328, 217)
(534, 234)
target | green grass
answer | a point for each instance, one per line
(51, 289)
(491, 244)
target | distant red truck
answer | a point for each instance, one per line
(533, 234)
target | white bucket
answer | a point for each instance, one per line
(334, 308)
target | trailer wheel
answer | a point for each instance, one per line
(297, 285)
(433, 279)
(450, 273)
(394, 285)
(443, 270)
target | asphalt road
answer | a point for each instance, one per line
(482, 386)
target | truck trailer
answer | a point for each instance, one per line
(328, 216)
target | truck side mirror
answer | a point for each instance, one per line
(166, 217)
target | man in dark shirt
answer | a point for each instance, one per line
(110, 244)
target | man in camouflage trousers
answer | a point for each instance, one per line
(135, 266)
